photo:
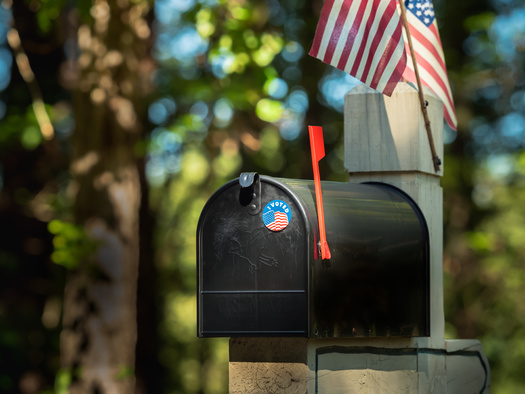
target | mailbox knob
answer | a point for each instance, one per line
(248, 178)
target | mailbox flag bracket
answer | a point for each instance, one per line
(250, 193)
(317, 148)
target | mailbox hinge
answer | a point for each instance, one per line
(250, 191)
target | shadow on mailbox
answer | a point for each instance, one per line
(260, 272)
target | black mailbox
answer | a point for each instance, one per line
(260, 271)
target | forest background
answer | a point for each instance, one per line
(118, 120)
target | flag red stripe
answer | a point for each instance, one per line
(451, 122)
(389, 50)
(364, 46)
(369, 20)
(280, 222)
(321, 26)
(417, 35)
(423, 63)
(411, 76)
(352, 34)
(336, 34)
(383, 23)
(434, 29)
(392, 82)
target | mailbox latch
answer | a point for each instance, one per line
(250, 194)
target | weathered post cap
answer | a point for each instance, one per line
(387, 134)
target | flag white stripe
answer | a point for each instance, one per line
(416, 24)
(392, 64)
(429, 57)
(423, 50)
(436, 88)
(389, 32)
(349, 22)
(358, 41)
(329, 28)
(374, 27)
(361, 43)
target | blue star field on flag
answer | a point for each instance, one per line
(422, 9)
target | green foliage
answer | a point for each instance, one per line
(483, 189)
(63, 379)
(501, 253)
(246, 44)
(48, 12)
(21, 128)
(195, 365)
(72, 244)
(125, 372)
(480, 22)
(31, 137)
(269, 110)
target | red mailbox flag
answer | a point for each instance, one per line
(317, 148)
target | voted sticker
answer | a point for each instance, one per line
(276, 215)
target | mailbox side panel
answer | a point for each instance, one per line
(252, 280)
(377, 282)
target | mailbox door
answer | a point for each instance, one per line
(253, 274)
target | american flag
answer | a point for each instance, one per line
(429, 55)
(275, 221)
(364, 39)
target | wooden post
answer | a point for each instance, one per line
(385, 141)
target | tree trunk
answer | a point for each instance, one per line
(99, 324)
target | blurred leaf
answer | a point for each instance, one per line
(126, 372)
(480, 22)
(48, 12)
(63, 379)
(31, 137)
(269, 110)
(72, 244)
